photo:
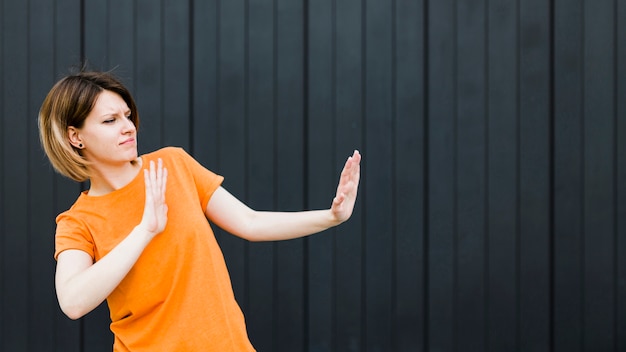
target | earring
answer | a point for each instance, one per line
(80, 145)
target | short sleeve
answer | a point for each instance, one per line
(206, 181)
(71, 233)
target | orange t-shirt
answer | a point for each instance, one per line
(178, 295)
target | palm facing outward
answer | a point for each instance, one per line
(155, 210)
(343, 203)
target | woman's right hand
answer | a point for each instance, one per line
(82, 284)
(155, 210)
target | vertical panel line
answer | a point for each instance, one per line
(426, 173)
(394, 210)
(615, 204)
(583, 337)
(518, 302)
(134, 58)
(487, 209)
(552, 175)
(275, 183)
(218, 79)
(455, 176)
(28, 168)
(2, 222)
(162, 23)
(363, 182)
(275, 100)
(107, 58)
(305, 171)
(83, 60)
(246, 133)
(333, 330)
(552, 171)
(190, 63)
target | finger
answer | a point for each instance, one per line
(154, 181)
(152, 172)
(159, 177)
(339, 199)
(159, 170)
(354, 169)
(351, 168)
(148, 183)
(349, 181)
(164, 182)
(356, 156)
(355, 164)
(146, 178)
(162, 178)
(346, 172)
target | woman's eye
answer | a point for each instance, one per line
(109, 121)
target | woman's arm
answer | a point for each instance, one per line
(82, 285)
(232, 215)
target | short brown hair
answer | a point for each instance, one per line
(67, 104)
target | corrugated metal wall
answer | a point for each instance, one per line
(492, 204)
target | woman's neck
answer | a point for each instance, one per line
(105, 180)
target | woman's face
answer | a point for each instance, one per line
(108, 136)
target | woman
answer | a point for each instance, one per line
(139, 236)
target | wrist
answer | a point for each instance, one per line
(142, 231)
(334, 219)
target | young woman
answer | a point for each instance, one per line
(139, 237)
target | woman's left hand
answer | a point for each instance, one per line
(343, 203)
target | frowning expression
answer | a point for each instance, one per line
(108, 136)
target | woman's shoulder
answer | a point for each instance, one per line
(169, 152)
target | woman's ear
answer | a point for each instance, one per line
(74, 137)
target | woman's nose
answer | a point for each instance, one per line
(129, 126)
